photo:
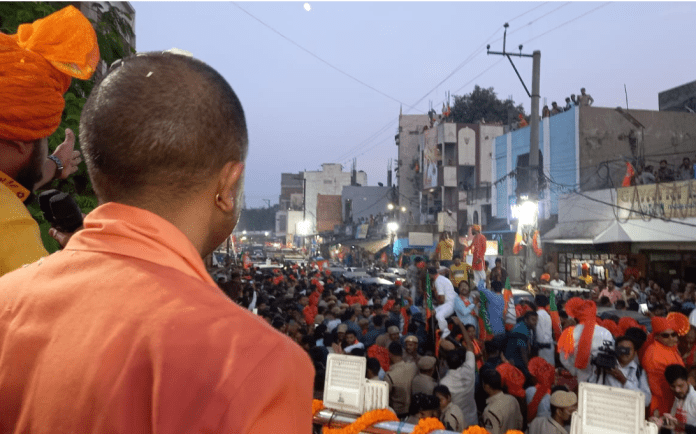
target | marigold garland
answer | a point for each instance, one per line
(566, 343)
(475, 429)
(427, 425)
(368, 419)
(317, 406)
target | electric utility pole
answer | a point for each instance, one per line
(534, 118)
(533, 166)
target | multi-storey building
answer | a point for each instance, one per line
(586, 155)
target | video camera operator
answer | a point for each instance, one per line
(619, 367)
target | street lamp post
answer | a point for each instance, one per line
(392, 227)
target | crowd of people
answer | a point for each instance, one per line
(584, 99)
(646, 174)
(508, 366)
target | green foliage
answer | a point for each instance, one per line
(112, 29)
(484, 104)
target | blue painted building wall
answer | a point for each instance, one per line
(558, 141)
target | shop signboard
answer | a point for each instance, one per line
(670, 200)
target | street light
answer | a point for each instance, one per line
(403, 209)
(303, 227)
(390, 206)
(392, 227)
(527, 212)
(265, 234)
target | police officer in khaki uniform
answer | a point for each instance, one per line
(424, 382)
(399, 378)
(502, 412)
(411, 349)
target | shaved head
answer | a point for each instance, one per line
(158, 127)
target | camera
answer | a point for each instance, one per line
(606, 356)
(61, 210)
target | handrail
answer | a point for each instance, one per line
(336, 419)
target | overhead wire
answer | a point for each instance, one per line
(469, 58)
(477, 51)
(568, 22)
(320, 59)
(638, 212)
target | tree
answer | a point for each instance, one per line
(112, 29)
(484, 104)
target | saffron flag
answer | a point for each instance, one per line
(518, 240)
(507, 297)
(630, 172)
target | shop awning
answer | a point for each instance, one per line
(372, 246)
(614, 231)
(575, 232)
(654, 230)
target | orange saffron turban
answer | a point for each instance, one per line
(585, 312)
(36, 66)
(512, 378)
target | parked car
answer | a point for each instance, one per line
(639, 317)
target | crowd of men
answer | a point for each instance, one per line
(504, 367)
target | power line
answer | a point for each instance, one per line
(567, 22)
(525, 13)
(469, 58)
(320, 59)
(477, 52)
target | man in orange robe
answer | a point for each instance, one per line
(124, 330)
(661, 352)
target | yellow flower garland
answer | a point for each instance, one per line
(427, 425)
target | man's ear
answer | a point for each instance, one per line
(229, 183)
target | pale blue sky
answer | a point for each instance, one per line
(302, 113)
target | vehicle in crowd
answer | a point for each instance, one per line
(521, 294)
(392, 277)
(291, 255)
(355, 275)
(616, 314)
(397, 271)
(374, 281)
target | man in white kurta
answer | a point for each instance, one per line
(446, 295)
(544, 332)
